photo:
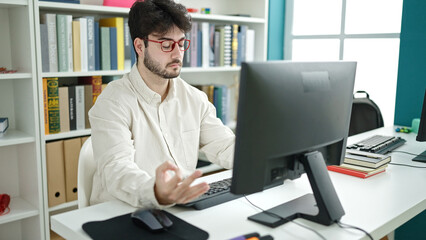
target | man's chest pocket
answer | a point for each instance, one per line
(190, 142)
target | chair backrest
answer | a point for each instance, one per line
(86, 170)
(365, 115)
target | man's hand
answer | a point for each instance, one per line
(171, 189)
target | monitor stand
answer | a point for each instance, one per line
(323, 206)
(421, 157)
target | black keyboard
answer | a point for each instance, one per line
(218, 193)
(378, 144)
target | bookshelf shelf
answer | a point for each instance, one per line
(225, 18)
(19, 209)
(82, 8)
(70, 134)
(13, 3)
(84, 74)
(15, 137)
(15, 76)
(63, 206)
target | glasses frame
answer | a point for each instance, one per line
(170, 40)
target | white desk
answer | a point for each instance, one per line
(379, 204)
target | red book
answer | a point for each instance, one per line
(119, 3)
(359, 174)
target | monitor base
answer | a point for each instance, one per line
(323, 206)
(421, 157)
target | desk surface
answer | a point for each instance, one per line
(379, 204)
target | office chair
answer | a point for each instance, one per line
(86, 169)
(366, 115)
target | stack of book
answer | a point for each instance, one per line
(362, 164)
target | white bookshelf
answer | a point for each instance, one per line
(20, 164)
(22, 150)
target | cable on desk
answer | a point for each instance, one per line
(409, 153)
(405, 165)
(344, 225)
(282, 218)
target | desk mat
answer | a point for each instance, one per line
(122, 227)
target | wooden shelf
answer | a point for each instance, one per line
(19, 209)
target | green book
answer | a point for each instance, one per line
(105, 48)
(53, 105)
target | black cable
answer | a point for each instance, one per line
(344, 225)
(283, 218)
(410, 153)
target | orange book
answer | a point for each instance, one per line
(96, 82)
(45, 107)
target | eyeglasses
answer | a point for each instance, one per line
(169, 45)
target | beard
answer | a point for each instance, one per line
(156, 68)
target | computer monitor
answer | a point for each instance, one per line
(293, 117)
(421, 135)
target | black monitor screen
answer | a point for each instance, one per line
(288, 114)
(421, 135)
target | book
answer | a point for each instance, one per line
(361, 168)
(128, 45)
(105, 55)
(119, 3)
(72, 108)
(79, 107)
(90, 43)
(53, 105)
(50, 20)
(76, 46)
(62, 41)
(250, 45)
(44, 48)
(64, 109)
(366, 159)
(97, 48)
(354, 173)
(71, 153)
(69, 39)
(45, 107)
(113, 46)
(55, 173)
(118, 24)
(63, 1)
(83, 44)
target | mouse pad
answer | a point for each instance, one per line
(122, 227)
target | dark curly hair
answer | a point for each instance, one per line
(159, 16)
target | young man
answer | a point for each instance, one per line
(148, 127)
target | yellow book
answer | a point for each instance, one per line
(118, 23)
(76, 46)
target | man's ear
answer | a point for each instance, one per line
(139, 45)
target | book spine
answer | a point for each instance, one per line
(211, 43)
(194, 44)
(64, 109)
(346, 171)
(83, 44)
(97, 87)
(119, 3)
(61, 30)
(90, 43)
(76, 46)
(44, 48)
(97, 48)
(50, 20)
(250, 41)
(242, 44)
(234, 45)
(227, 55)
(69, 40)
(72, 108)
(113, 46)
(45, 107)
(205, 45)
(105, 48)
(53, 105)
(88, 102)
(118, 24)
(79, 105)
(127, 44)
